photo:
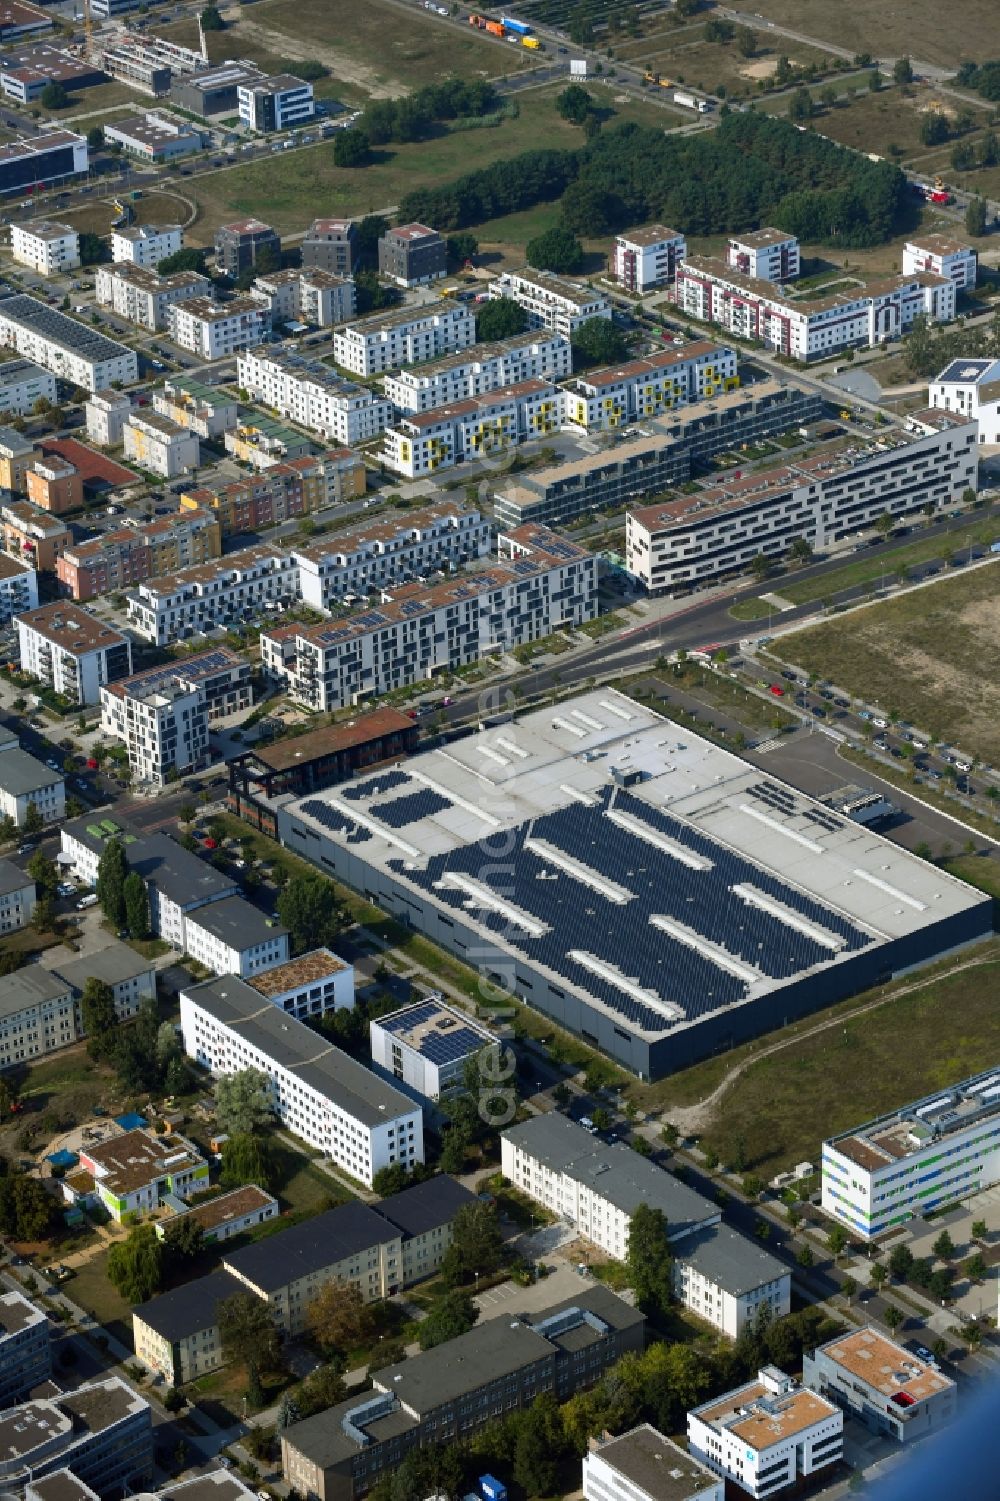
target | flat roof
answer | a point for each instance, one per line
(307, 969)
(651, 234)
(17, 1313)
(475, 356)
(401, 317)
(42, 229)
(654, 1464)
(232, 564)
(575, 292)
(731, 1261)
(300, 750)
(15, 16)
(227, 1207)
(758, 239)
(650, 365)
(426, 1206)
(202, 668)
(292, 1045)
(217, 1485)
(21, 774)
(61, 1485)
(148, 280)
(380, 537)
(114, 964)
(135, 1158)
(58, 328)
(439, 1033)
(886, 1366)
(761, 1417)
(71, 627)
(181, 877)
(483, 401)
(968, 372)
(720, 270)
(237, 923)
(939, 244)
(31, 519)
(912, 1129)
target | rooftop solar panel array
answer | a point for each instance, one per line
(406, 810)
(331, 818)
(384, 782)
(439, 1047)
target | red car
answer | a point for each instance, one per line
(777, 690)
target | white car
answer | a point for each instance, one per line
(588, 1124)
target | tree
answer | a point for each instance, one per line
(99, 1017)
(500, 318)
(338, 1317)
(837, 1240)
(537, 1446)
(944, 1246)
(188, 259)
(187, 812)
(476, 1244)
(43, 914)
(574, 104)
(369, 231)
(249, 1336)
(848, 1287)
(308, 908)
(556, 250)
(95, 138)
(43, 872)
(979, 1229)
(828, 97)
(27, 1212)
(183, 1239)
(246, 1158)
(136, 905)
(963, 157)
(135, 1265)
(902, 70)
(451, 1315)
(54, 96)
(243, 1102)
(92, 249)
(461, 248)
(597, 342)
(352, 148)
(801, 106)
(879, 1276)
(648, 1260)
(34, 823)
(934, 129)
(893, 1317)
(975, 217)
(112, 868)
(805, 1256)
(390, 1180)
(760, 566)
(975, 1267)
(799, 550)
(211, 19)
(289, 1412)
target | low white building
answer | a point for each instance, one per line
(143, 296)
(18, 588)
(479, 370)
(428, 1045)
(240, 586)
(73, 351)
(22, 383)
(46, 247)
(231, 937)
(159, 445)
(552, 302)
(648, 257)
(279, 102)
(308, 392)
(213, 330)
(146, 244)
(888, 1388)
(310, 985)
(942, 256)
(643, 1465)
(130, 978)
(971, 389)
(106, 412)
(765, 254)
(768, 1434)
(404, 336)
(37, 1015)
(726, 1279)
(72, 651)
(27, 783)
(320, 1093)
(301, 293)
(17, 897)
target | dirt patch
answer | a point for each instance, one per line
(766, 68)
(308, 49)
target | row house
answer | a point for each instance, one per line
(424, 442)
(239, 587)
(612, 397)
(282, 492)
(125, 557)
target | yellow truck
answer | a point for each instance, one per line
(532, 42)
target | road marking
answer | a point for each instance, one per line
(767, 745)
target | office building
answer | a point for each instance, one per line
(155, 137)
(231, 937)
(106, 412)
(158, 445)
(412, 255)
(54, 484)
(213, 91)
(726, 1279)
(914, 1160)
(479, 370)
(130, 978)
(145, 245)
(25, 73)
(20, 19)
(403, 336)
(542, 584)
(26, 783)
(891, 1390)
(810, 328)
(429, 1046)
(970, 388)
(641, 389)
(941, 255)
(320, 1093)
(134, 1172)
(423, 442)
(329, 245)
(700, 926)
(163, 714)
(52, 157)
(101, 1430)
(207, 410)
(71, 350)
(240, 245)
(38, 1015)
(309, 295)
(17, 897)
(308, 392)
(25, 1347)
(32, 536)
(46, 247)
(18, 589)
(72, 651)
(278, 102)
(765, 255)
(240, 587)
(124, 557)
(550, 301)
(646, 258)
(767, 1435)
(384, 554)
(141, 295)
(213, 330)
(686, 538)
(22, 384)
(311, 985)
(643, 1465)
(444, 1395)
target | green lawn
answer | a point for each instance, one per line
(870, 567)
(753, 609)
(91, 1289)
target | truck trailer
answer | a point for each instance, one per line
(690, 101)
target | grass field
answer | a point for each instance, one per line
(870, 568)
(929, 654)
(892, 117)
(92, 1290)
(916, 28)
(682, 55)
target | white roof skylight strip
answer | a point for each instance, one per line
(612, 975)
(453, 797)
(354, 814)
(718, 956)
(641, 830)
(787, 915)
(894, 891)
(577, 871)
(482, 896)
(780, 828)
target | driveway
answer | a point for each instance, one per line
(508, 1300)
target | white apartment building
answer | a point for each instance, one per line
(922, 1157)
(71, 650)
(18, 588)
(485, 367)
(106, 412)
(25, 1347)
(971, 389)
(308, 294)
(649, 257)
(541, 585)
(46, 247)
(230, 937)
(17, 897)
(393, 552)
(309, 393)
(940, 255)
(320, 1093)
(405, 336)
(428, 1045)
(206, 410)
(726, 1279)
(22, 383)
(73, 351)
(238, 587)
(767, 1434)
(617, 395)
(146, 245)
(131, 979)
(213, 330)
(810, 328)
(38, 1015)
(423, 442)
(144, 297)
(765, 255)
(643, 1465)
(159, 445)
(722, 529)
(552, 302)
(163, 714)
(311, 985)
(27, 783)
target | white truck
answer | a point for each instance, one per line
(690, 101)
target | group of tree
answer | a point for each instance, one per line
(189, 259)
(752, 169)
(577, 105)
(244, 1112)
(648, 1260)
(597, 342)
(984, 77)
(500, 318)
(211, 19)
(122, 892)
(145, 1053)
(452, 1314)
(556, 250)
(27, 1211)
(248, 1336)
(477, 1248)
(414, 117)
(309, 908)
(928, 350)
